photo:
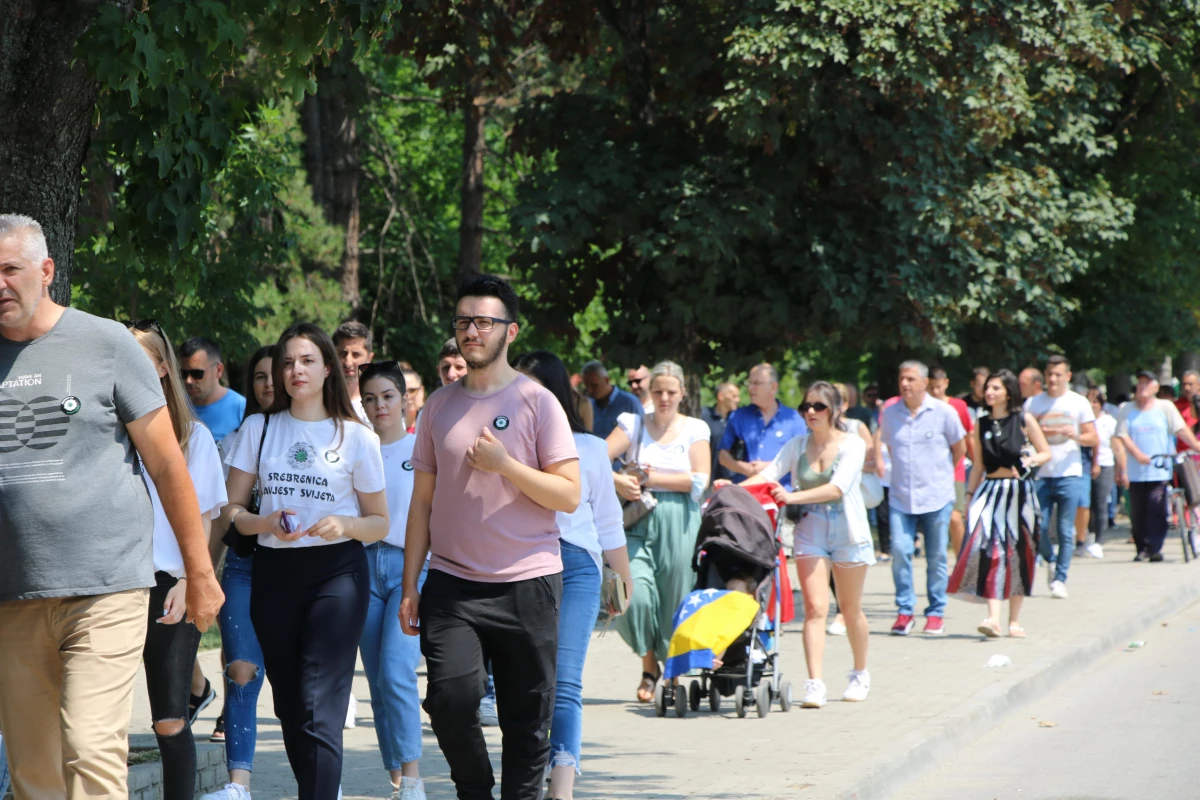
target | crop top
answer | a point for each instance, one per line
(1002, 440)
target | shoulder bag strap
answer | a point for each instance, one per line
(258, 459)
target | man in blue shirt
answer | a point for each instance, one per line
(218, 407)
(755, 434)
(608, 402)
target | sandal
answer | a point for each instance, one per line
(645, 691)
(1015, 631)
(989, 628)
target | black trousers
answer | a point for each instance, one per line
(464, 624)
(168, 655)
(308, 606)
(1148, 514)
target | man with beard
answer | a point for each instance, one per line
(494, 459)
(353, 342)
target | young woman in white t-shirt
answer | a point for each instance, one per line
(675, 459)
(322, 486)
(171, 641)
(389, 657)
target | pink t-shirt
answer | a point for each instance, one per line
(482, 527)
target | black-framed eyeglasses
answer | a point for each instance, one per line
(482, 324)
(817, 407)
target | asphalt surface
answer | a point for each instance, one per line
(1127, 729)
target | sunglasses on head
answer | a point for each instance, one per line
(145, 325)
(374, 368)
(817, 407)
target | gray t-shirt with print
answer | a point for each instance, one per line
(75, 515)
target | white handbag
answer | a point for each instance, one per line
(872, 490)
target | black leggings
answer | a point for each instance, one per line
(308, 606)
(168, 655)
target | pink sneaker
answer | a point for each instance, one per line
(904, 624)
(934, 626)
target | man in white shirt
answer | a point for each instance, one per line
(1067, 420)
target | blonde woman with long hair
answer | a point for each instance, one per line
(171, 641)
(675, 458)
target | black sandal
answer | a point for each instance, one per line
(652, 679)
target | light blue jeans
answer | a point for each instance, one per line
(576, 619)
(1067, 494)
(3, 768)
(239, 643)
(390, 659)
(936, 527)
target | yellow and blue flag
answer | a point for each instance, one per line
(707, 622)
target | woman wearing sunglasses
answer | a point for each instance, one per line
(171, 641)
(833, 533)
(322, 483)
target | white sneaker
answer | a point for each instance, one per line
(815, 695)
(409, 789)
(1095, 550)
(860, 684)
(1051, 568)
(1058, 590)
(231, 791)
(351, 713)
(836, 629)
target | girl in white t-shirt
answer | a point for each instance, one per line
(389, 657)
(322, 497)
(171, 641)
(674, 456)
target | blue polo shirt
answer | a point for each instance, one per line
(604, 417)
(748, 438)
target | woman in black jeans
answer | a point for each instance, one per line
(322, 484)
(171, 642)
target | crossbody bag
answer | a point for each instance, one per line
(243, 546)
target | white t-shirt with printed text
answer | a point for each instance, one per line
(307, 468)
(1069, 408)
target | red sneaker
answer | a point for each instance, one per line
(934, 626)
(904, 624)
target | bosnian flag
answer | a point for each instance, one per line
(707, 622)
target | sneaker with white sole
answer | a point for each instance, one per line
(409, 789)
(836, 629)
(231, 791)
(860, 684)
(351, 713)
(815, 695)
(1058, 590)
(487, 712)
(1095, 550)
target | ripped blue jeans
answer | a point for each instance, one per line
(576, 619)
(239, 643)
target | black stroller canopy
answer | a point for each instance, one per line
(736, 522)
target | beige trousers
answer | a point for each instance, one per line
(67, 667)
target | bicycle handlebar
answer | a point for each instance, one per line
(1161, 459)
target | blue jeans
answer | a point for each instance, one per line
(3, 768)
(936, 527)
(1067, 494)
(390, 658)
(576, 619)
(239, 643)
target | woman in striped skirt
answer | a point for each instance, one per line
(998, 556)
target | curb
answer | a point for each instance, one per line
(985, 710)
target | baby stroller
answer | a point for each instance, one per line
(739, 537)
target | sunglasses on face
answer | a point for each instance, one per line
(636, 381)
(194, 374)
(817, 407)
(482, 324)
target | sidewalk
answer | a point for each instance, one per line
(929, 696)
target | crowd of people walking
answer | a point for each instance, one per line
(479, 527)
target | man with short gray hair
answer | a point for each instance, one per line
(81, 406)
(608, 402)
(756, 433)
(925, 439)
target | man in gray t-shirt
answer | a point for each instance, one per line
(79, 402)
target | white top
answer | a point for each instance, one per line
(847, 476)
(648, 407)
(307, 469)
(671, 456)
(1106, 428)
(204, 465)
(596, 525)
(360, 411)
(1070, 408)
(398, 472)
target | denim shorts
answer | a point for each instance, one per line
(823, 532)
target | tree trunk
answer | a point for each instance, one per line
(470, 227)
(46, 105)
(331, 160)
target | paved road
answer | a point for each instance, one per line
(1128, 730)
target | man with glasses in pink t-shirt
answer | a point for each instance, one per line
(494, 460)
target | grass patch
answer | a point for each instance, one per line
(143, 755)
(210, 639)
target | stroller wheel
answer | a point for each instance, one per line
(714, 699)
(739, 701)
(681, 701)
(785, 696)
(660, 700)
(694, 696)
(763, 699)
